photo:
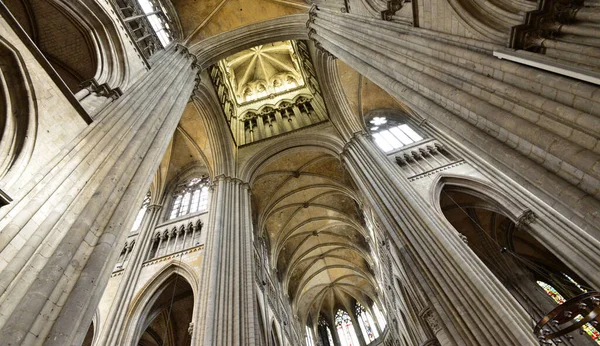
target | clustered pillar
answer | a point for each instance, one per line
(227, 294)
(473, 305)
(58, 239)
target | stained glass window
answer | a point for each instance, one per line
(559, 299)
(345, 329)
(367, 326)
(323, 324)
(190, 197)
(390, 136)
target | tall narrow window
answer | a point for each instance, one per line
(389, 135)
(309, 339)
(190, 197)
(367, 326)
(559, 299)
(345, 329)
(140, 215)
(380, 317)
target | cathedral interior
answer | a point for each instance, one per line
(299, 172)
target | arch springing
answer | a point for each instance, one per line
(190, 197)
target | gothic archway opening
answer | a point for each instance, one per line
(168, 315)
(64, 40)
(89, 336)
(317, 242)
(528, 269)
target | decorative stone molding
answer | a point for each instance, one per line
(102, 89)
(525, 219)
(431, 318)
(393, 6)
(173, 255)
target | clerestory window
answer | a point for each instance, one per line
(390, 135)
(140, 215)
(190, 197)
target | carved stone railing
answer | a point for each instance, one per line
(176, 235)
(425, 158)
(272, 121)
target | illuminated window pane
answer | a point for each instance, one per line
(401, 135)
(140, 215)
(176, 206)
(412, 134)
(382, 143)
(391, 139)
(345, 329)
(184, 204)
(379, 316)
(195, 201)
(204, 199)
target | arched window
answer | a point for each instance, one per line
(559, 299)
(140, 215)
(390, 135)
(367, 326)
(380, 317)
(190, 197)
(325, 336)
(309, 338)
(345, 329)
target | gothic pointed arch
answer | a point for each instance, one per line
(503, 243)
(169, 292)
(18, 114)
(78, 38)
(309, 214)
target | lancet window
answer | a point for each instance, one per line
(367, 325)
(190, 197)
(345, 329)
(309, 338)
(390, 135)
(140, 215)
(559, 299)
(325, 337)
(380, 317)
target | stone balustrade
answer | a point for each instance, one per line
(425, 157)
(176, 235)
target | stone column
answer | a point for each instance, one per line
(57, 239)
(472, 304)
(533, 126)
(114, 327)
(227, 300)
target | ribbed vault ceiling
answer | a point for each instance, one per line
(307, 208)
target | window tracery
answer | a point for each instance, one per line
(345, 329)
(367, 326)
(390, 135)
(190, 197)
